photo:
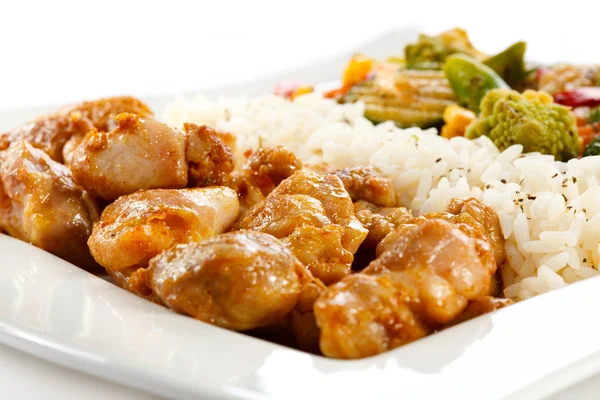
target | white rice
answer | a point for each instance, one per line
(549, 211)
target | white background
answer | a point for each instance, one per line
(53, 52)
(60, 51)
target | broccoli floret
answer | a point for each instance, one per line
(430, 52)
(592, 149)
(531, 119)
(594, 116)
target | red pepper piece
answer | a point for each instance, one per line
(582, 97)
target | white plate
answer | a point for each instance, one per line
(56, 311)
(63, 314)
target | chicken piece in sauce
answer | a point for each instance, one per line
(138, 154)
(471, 216)
(102, 112)
(314, 216)
(379, 221)
(139, 226)
(50, 133)
(474, 213)
(41, 204)
(209, 159)
(69, 148)
(480, 307)
(301, 320)
(264, 170)
(239, 280)
(423, 280)
(365, 183)
(363, 315)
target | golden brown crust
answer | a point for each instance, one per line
(101, 112)
(365, 183)
(380, 221)
(471, 216)
(273, 163)
(51, 132)
(264, 170)
(210, 161)
(314, 215)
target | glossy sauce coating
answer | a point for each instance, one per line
(51, 132)
(380, 221)
(422, 281)
(209, 159)
(365, 183)
(471, 216)
(264, 170)
(139, 226)
(314, 216)
(137, 154)
(483, 218)
(239, 280)
(102, 112)
(41, 204)
(480, 307)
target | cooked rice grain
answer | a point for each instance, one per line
(549, 211)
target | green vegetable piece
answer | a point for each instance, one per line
(531, 119)
(594, 115)
(430, 52)
(403, 118)
(510, 64)
(427, 53)
(471, 80)
(406, 97)
(593, 148)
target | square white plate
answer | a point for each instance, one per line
(60, 313)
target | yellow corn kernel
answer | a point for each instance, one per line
(456, 119)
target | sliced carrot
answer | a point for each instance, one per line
(357, 70)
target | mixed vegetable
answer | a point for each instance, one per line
(443, 81)
(531, 119)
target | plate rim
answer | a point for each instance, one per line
(30, 343)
